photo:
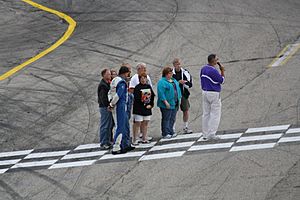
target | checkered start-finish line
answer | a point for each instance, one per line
(88, 154)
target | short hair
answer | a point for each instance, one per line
(123, 70)
(142, 75)
(166, 70)
(139, 65)
(176, 60)
(211, 57)
(103, 72)
(113, 71)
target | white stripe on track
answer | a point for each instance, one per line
(2, 171)
(171, 146)
(162, 155)
(226, 136)
(73, 164)
(125, 155)
(47, 154)
(15, 153)
(252, 147)
(9, 162)
(211, 146)
(87, 146)
(268, 128)
(34, 164)
(83, 155)
(293, 130)
(185, 136)
(259, 137)
(289, 139)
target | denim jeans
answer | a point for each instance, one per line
(106, 125)
(168, 117)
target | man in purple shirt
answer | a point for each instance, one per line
(211, 81)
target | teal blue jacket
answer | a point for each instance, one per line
(165, 91)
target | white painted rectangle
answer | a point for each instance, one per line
(47, 154)
(211, 146)
(172, 146)
(260, 137)
(293, 130)
(289, 139)
(252, 147)
(88, 146)
(185, 136)
(2, 171)
(15, 153)
(268, 128)
(144, 146)
(34, 164)
(83, 155)
(73, 164)
(162, 155)
(9, 162)
(125, 155)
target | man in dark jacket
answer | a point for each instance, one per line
(106, 118)
(185, 82)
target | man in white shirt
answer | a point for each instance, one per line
(141, 68)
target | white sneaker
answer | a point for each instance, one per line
(214, 137)
(167, 137)
(186, 130)
(135, 143)
(174, 135)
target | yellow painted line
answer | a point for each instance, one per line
(67, 34)
(285, 55)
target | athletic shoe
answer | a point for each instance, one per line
(167, 137)
(174, 135)
(145, 142)
(119, 152)
(186, 130)
(214, 137)
(147, 138)
(129, 148)
(105, 147)
(135, 143)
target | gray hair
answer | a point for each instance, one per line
(140, 65)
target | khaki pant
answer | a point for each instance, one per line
(211, 102)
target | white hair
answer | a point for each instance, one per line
(139, 65)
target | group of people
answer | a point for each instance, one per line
(121, 97)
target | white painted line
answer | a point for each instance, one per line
(259, 137)
(211, 146)
(252, 147)
(2, 171)
(125, 155)
(162, 155)
(185, 136)
(226, 136)
(15, 153)
(171, 146)
(34, 164)
(289, 139)
(83, 155)
(47, 154)
(73, 164)
(144, 146)
(269, 128)
(88, 146)
(10, 162)
(293, 130)
(290, 50)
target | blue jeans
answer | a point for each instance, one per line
(106, 125)
(168, 117)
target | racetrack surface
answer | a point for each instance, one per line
(52, 103)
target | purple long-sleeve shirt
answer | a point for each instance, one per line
(211, 79)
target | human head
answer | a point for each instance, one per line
(141, 68)
(143, 78)
(167, 72)
(177, 64)
(212, 59)
(124, 72)
(106, 75)
(113, 73)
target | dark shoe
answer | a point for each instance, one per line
(122, 151)
(129, 148)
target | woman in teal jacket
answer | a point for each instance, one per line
(169, 96)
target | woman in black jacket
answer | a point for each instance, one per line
(143, 103)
